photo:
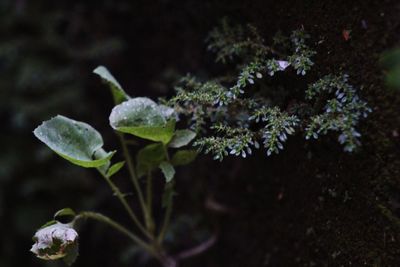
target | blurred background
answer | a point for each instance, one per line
(327, 209)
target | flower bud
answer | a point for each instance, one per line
(54, 241)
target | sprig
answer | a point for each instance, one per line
(342, 113)
(232, 141)
(278, 126)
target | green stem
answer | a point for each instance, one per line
(134, 179)
(128, 209)
(166, 152)
(149, 195)
(167, 219)
(101, 218)
(168, 212)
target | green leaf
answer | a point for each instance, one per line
(67, 212)
(118, 93)
(115, 168)
(75, 141)
(182, 138)
(168, 171)
(183, 157)
(143, 118)
(149, 158)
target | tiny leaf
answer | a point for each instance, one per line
(183, 157)
(182, 138)
(168, 171)
(118, 93)
(143, 118)
(75, 141)
(115, 168)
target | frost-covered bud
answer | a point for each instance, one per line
(54, 241)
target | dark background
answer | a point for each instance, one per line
(312, 205)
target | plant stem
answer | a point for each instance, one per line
(128, 209)
(166, 152)
(135, 180)
(102, 218)
(149, 195)
(167, 219)
(168, 212)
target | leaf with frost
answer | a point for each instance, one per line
(143, 118)
(55, 241)
(182, 138)
(118, 93)
(75, 141)
(166, 111)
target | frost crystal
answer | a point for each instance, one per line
(283, 64)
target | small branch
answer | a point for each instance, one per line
(197, 249)
(123, 201)
(149, 196)
(166, 221)
(101, 218)
(134, 179)
(168, 211)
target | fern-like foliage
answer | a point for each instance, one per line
(278, 125)
(341, 112)
(231, 121)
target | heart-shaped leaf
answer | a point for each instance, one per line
(143, 118)
(75, 141)
(118, 93)
(182, 138)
